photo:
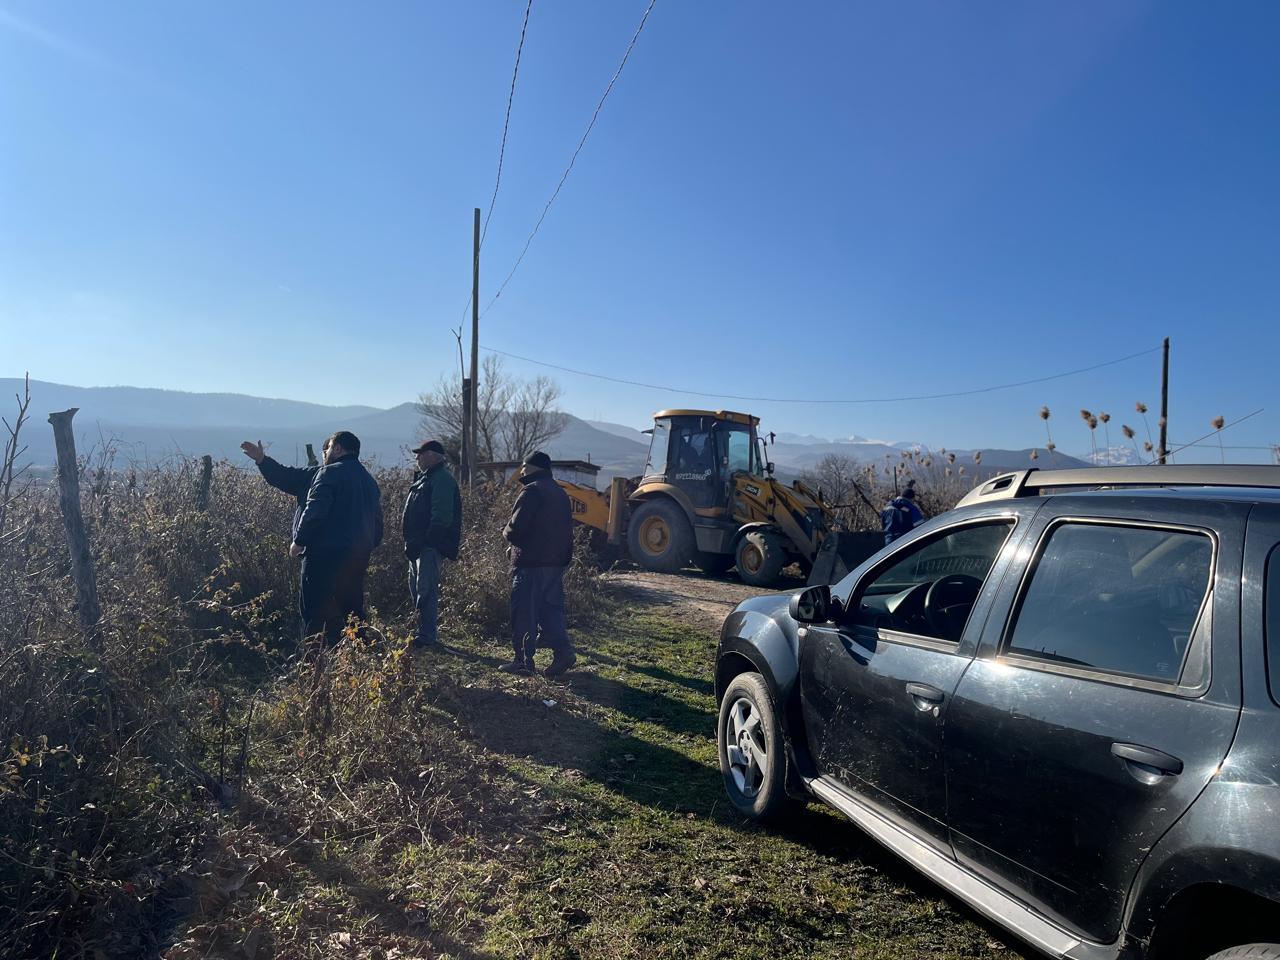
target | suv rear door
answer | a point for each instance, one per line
(1105, 694)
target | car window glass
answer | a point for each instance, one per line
(1113, 598)
(930, 589)
(1271, 608)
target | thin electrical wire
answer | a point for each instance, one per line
(506, 123)
(502, 147)
(731, 396)
(1169, 453)
(573, 159)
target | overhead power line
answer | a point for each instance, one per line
(574, 159)
(506, 122)
(900, 399)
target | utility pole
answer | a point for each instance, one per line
(475, 347)
(1164, 404)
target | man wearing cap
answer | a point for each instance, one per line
(432, 527)
(541, 536)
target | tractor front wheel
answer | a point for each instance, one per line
(760, 557)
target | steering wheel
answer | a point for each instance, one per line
(946, 593)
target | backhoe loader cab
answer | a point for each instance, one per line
(684, 507)
(708, 496)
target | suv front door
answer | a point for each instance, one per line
(875, 688)
(1104, 695)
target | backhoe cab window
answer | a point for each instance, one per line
(656, 465)
(930, 591)
(694, 452)
(736, 449)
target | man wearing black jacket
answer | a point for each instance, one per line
(432, 525)
(541, 536)
(295, 481)
(340, 526)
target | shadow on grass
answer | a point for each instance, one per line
(644, 705)
(828, 833)
(696, 684)
(643, 772)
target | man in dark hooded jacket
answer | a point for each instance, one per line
(340, 525)
(432, 525)
(541, 536)
(900, 516)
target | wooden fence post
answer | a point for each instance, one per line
(206, 480)
(77, 540)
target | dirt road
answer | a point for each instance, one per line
(700, 600)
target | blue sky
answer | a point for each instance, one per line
(782, 200)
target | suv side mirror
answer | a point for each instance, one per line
(813, 605)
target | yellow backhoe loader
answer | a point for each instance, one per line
(708, 496)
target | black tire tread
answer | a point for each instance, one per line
(1249, 951)
(772, 802)
(775, 557)
(681, 549)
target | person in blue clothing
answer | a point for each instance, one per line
(295, 481)
(901, 515)
(336, 526)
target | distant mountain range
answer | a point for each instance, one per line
(153, 425)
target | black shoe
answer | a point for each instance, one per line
(522, 668)
(421, 644)
(560, 663)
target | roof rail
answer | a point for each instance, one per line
(1032, 483)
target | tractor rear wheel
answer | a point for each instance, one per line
(660, 536)
(760, 557)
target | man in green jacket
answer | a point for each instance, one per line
(432, 529)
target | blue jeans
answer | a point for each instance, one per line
(537, 611)
(424, 586)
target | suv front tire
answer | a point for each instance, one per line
(752, 761)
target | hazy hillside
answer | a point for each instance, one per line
(154, 425)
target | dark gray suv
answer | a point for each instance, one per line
(1058, 700)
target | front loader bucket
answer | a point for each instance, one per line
(841, 552)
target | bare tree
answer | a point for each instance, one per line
(533, 419)
(514, 417)
(10, 472)
(441, 407)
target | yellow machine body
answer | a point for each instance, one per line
(708, 496)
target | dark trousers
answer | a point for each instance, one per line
(537, 611)
(424, 587)
(332, 590)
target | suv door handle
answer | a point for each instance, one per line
(925, 696)
(1154, 760)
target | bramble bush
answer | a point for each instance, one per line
(119, 755)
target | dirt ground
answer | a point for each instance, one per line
(694, 598)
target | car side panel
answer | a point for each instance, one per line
(1037, 802)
